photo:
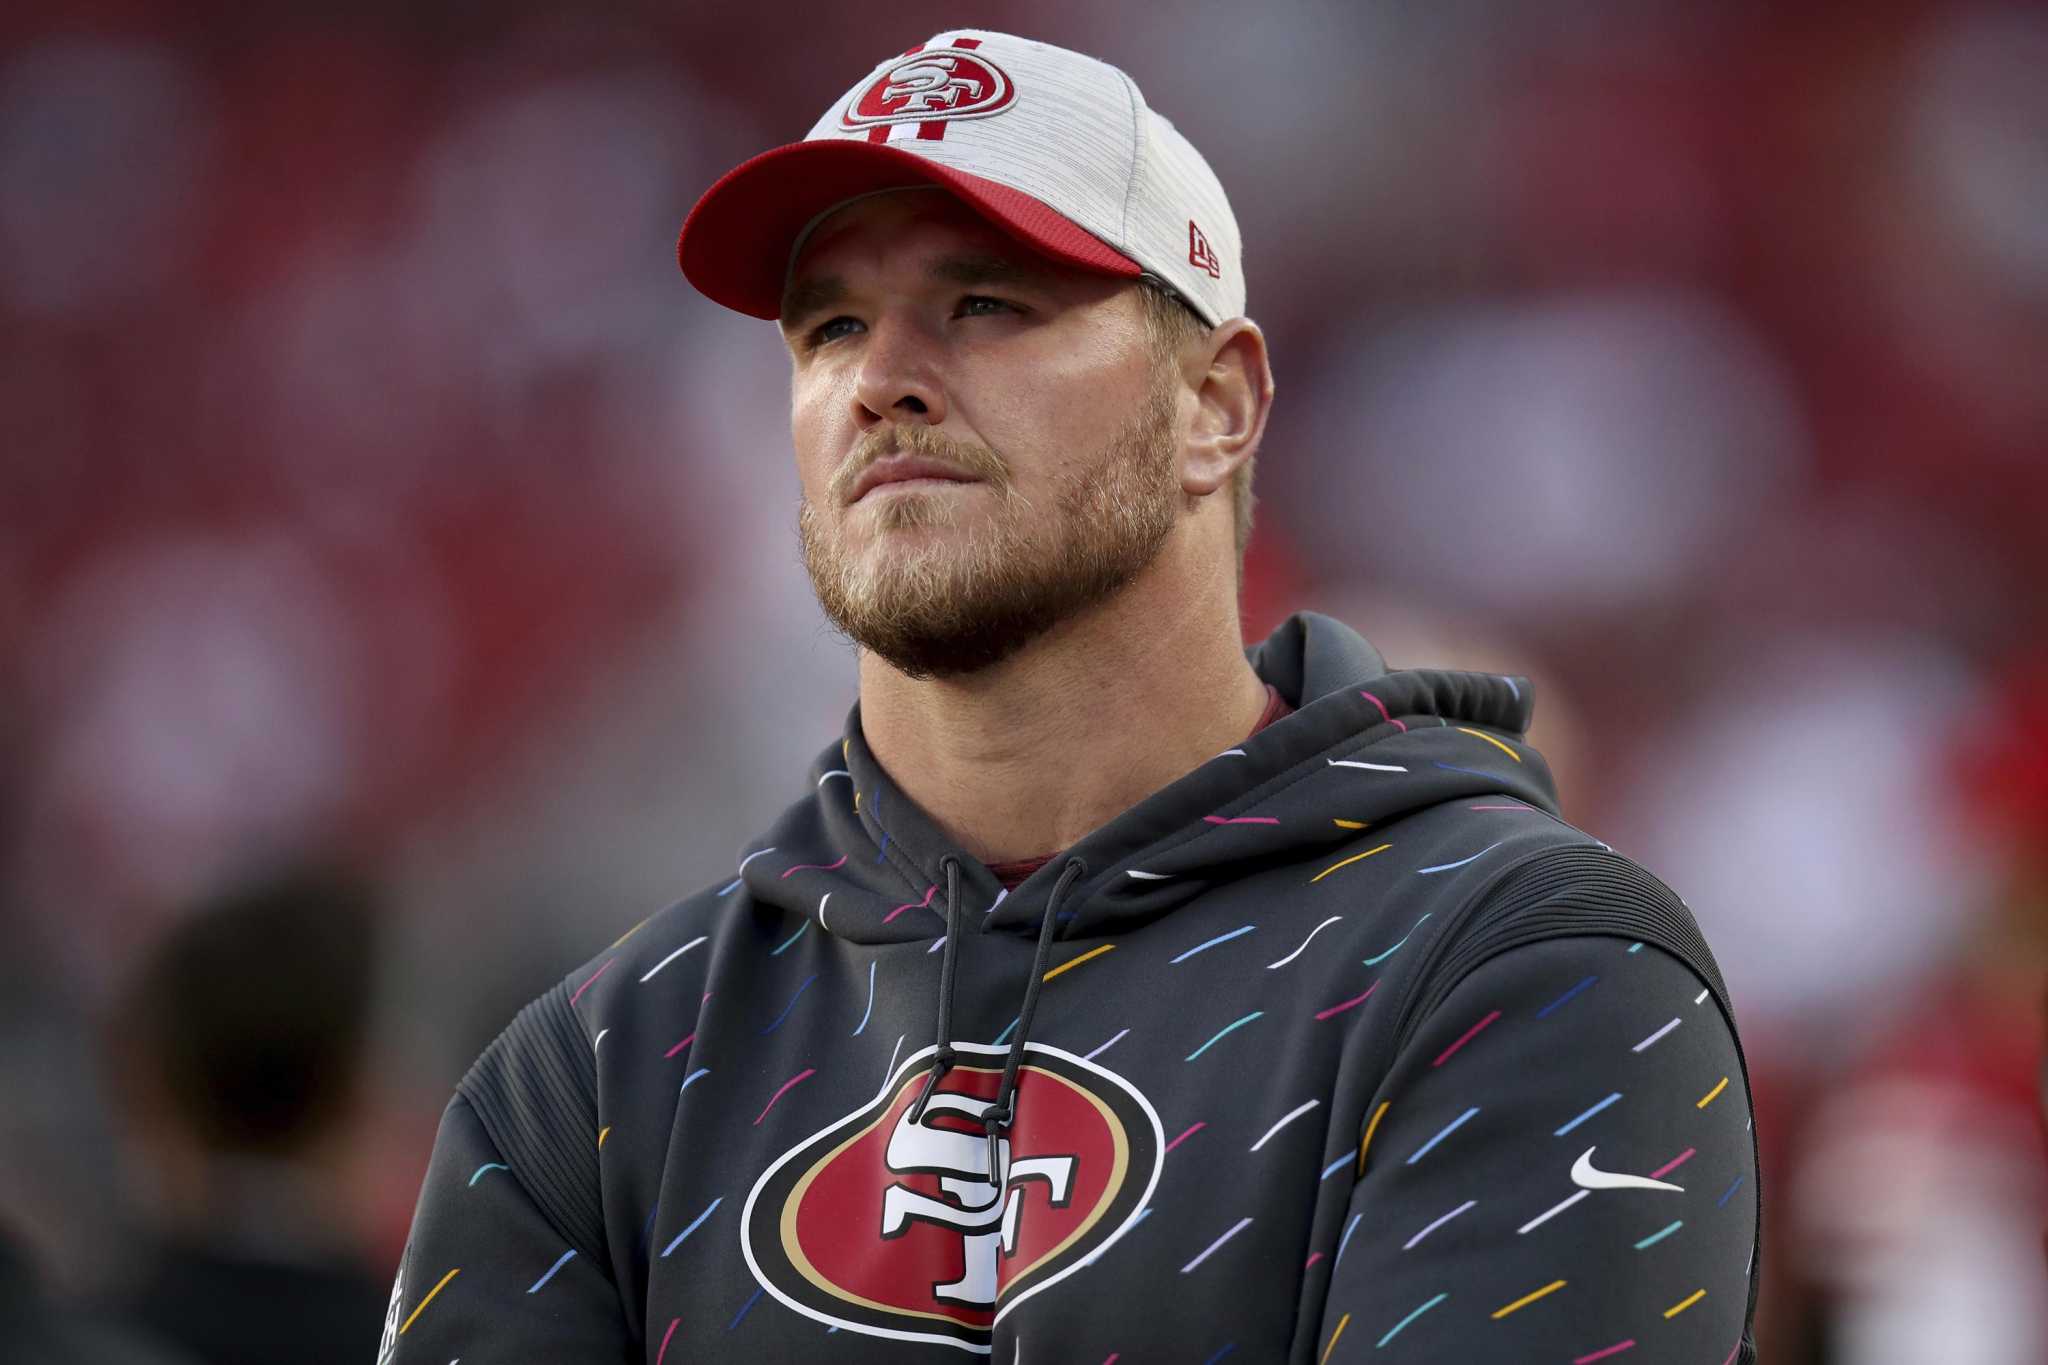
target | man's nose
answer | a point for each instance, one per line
(900, 377)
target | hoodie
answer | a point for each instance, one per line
(1342, 1046)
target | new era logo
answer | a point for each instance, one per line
(1200, 254)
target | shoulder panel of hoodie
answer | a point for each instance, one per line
(534, 1090)
(1565, 891)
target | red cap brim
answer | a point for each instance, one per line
(736, 242)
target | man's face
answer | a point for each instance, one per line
(1017, 409)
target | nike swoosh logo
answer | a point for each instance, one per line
(1589, 1177)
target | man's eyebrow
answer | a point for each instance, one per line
(983, 268)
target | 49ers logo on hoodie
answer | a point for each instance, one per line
(900, 1229)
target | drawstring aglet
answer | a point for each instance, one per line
(940, 1065)
(993, 1122)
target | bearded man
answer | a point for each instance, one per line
(1111, 993)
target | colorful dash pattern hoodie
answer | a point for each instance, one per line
(1341, 1047)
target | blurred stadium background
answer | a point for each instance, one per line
(375, 494)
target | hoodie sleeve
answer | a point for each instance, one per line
(486, 1276)
(1558, 1167)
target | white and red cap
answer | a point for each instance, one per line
(1056, 148)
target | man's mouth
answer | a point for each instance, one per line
(914, 471)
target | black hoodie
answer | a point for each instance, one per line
(1343, 1046)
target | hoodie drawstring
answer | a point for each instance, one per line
(996, 1119)
(943, 1060)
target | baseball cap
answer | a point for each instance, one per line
(1056, 148)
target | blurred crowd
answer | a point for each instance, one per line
(399, 596)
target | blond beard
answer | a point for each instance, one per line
(947, 610)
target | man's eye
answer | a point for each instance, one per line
(829, 330)
(979, 304)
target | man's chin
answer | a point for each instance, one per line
(931, 613)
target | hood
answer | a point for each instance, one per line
(1364, 746)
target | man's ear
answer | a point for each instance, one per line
(1233, 395)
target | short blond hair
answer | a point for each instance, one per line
(1172, 324)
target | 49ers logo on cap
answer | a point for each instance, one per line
(931, 88)
(900, 1229)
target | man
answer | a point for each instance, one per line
(1110, 994)
(237, 1059)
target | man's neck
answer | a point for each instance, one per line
(1099, 713)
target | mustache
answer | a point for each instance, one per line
(879, 443)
